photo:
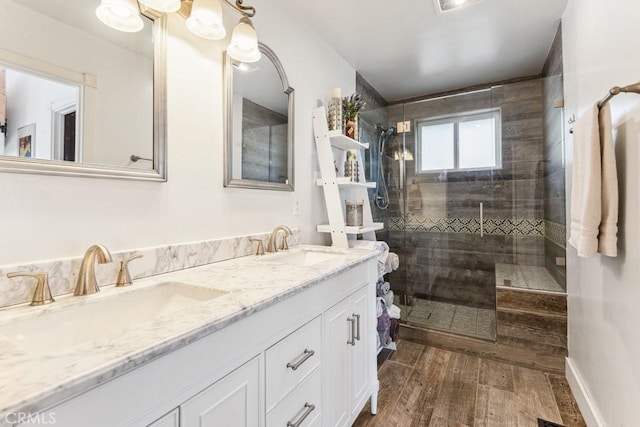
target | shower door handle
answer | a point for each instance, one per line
(481, 219)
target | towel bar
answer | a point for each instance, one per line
(634, 88)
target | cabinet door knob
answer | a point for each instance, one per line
(305, 356)
(308, 408)
(352, 339)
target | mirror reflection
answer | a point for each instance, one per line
(74, 92)
(39, 116)
(260, 120)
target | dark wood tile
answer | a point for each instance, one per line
(446, 388)
(416, 402)
(496, 374)
(524, 353)
(407, 352)
(457, 398)
(495, 407)
(534, 395)
(392, 377)
(542, 303)
(569, 411)
(535, 327)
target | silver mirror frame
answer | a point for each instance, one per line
(229, 181)
(159, 172)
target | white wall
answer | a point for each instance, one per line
(45, 217)
(600, 51)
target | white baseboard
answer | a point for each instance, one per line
(587, 407)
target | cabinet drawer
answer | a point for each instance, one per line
(291, 360)
(299, 403)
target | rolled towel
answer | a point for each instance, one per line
(388, 298)
(380, 306)
(382, 288)
(394, 312)
(394, 329)
(392, 263)
(384, 322)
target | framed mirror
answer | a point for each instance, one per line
(259, 119)
(77, 97)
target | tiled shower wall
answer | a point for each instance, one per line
(554, 177)
(264, 143)
(433, 218)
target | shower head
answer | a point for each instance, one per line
(390, 132)
(386, 133)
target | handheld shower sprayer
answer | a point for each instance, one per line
(382, 193)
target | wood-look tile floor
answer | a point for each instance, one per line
(427, 386)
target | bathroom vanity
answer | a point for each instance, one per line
(284, 339)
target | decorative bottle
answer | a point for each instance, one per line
(335, 110)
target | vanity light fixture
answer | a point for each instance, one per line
(204, 18)
(162, 5)
(121, 15)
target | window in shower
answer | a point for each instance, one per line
(468, 141)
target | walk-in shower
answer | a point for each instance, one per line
(472, 198)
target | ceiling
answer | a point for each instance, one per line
(406, 48)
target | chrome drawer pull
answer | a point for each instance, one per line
(309, 409)
(305, 356)
(352, 340)
(357, 316)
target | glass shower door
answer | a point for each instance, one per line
(449, 158)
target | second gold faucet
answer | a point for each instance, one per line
(86, 282)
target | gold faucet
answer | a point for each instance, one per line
(86, 282)
(42, 294)
(271, 245)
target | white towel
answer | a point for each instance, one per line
(608, 236)
(380, 246)
(394, 312)
(594, 193)
(392, 262)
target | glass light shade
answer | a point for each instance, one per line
(244, 42)
(162, 5)
(121, 15)
(206, 19)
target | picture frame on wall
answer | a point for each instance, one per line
(27, 141)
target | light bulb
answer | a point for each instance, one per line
(206, 19)
(121, 15)
(244, 42)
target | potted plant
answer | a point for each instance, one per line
(351, 106)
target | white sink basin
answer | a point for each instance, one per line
(69, 327)
(304, 257)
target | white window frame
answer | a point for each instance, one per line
(456, 119)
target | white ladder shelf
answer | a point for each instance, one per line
(326, 142)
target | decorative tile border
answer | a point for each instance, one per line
(520, 227)
(557, 233)
(155, 260)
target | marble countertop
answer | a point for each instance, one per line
(33, 381)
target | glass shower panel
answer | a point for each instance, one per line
(450, 266)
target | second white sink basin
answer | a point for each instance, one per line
(95, 318)
(304, 257)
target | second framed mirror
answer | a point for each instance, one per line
(259, 122)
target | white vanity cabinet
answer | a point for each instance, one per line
(234, 401)
(307, 360)
(348, 339)
(172, 419)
